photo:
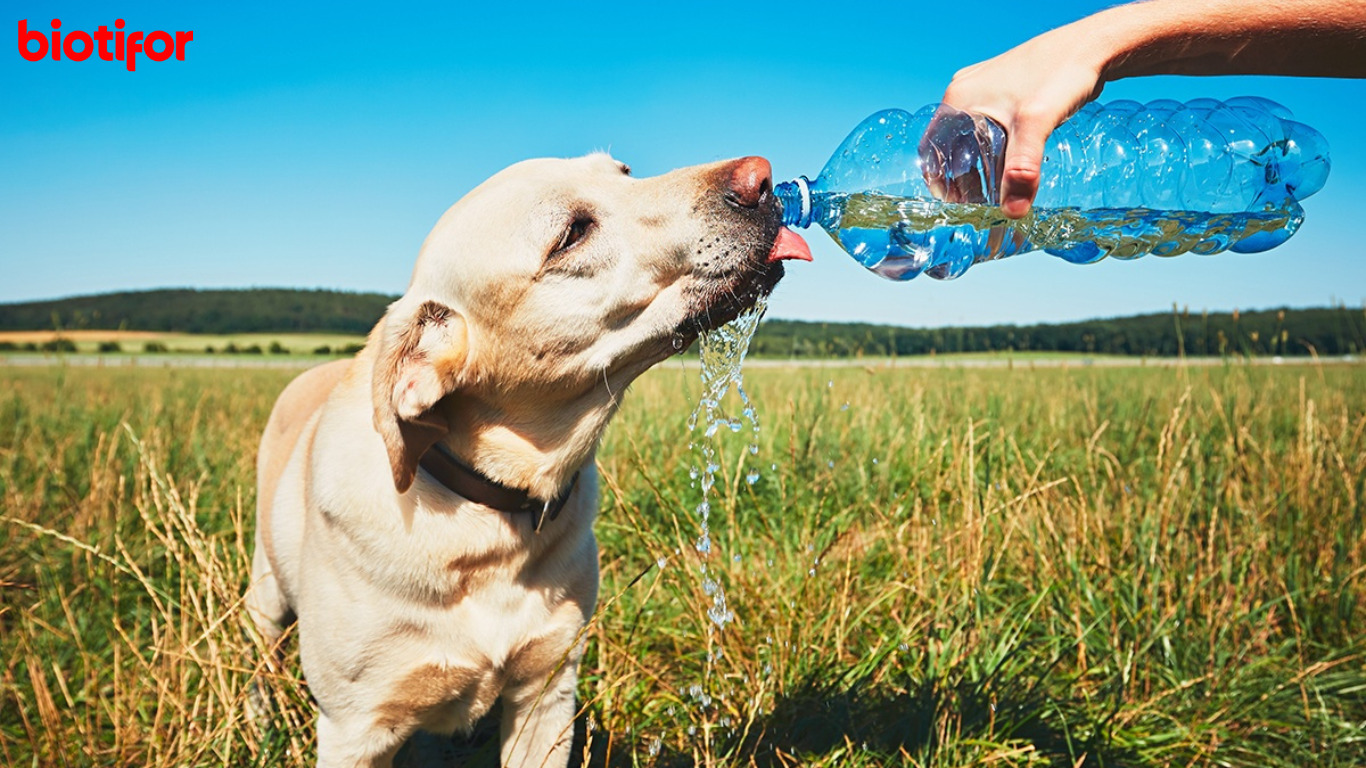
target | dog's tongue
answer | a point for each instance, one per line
(789, 245)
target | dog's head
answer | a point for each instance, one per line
(552, 285)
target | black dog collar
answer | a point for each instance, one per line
(475, 486)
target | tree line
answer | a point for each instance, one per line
(1322, 331)
(1287, 332)
(187, 310)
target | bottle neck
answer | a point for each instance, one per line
(795, 196)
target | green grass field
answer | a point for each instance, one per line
(1010, 567)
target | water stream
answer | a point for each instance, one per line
(722, 353)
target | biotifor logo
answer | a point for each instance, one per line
(78, 45)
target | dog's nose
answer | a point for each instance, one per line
(750, 178)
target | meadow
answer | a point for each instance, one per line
(936, 567)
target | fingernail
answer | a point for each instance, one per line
(1015, 206)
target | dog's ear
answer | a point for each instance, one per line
(422, 355)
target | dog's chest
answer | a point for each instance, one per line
(460, 658)
(450, 606)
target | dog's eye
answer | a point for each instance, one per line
(577, 230)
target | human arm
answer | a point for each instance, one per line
(1033, 87)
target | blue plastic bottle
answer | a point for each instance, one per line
(907, 194)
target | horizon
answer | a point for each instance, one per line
(300, 153)
(1184, 310)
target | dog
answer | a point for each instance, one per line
(425, 510)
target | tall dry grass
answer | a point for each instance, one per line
(1016, 567)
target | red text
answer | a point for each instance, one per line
(79, 45)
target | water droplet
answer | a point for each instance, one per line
(655, 745)
(720, 615)
(844, 407)
(903, 647)
(752, 478)
(735, 558)
(874, 461)
(830, 383)
(753, 449)
(830, 464)
(661, 562)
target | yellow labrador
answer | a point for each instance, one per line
(425, 510)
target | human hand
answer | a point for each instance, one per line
(1033, 87)
(1029, 90)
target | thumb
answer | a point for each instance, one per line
(1024, 162)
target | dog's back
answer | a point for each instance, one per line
(295, 407)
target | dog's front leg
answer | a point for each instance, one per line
(353, 744)
(538, 721)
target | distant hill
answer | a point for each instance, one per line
(186, 310)
(1323, 331)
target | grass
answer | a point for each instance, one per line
(1008, 567)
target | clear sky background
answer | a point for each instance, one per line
(315, 144)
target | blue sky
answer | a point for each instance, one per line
(314, 145)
